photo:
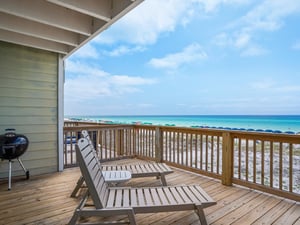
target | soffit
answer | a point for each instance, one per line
(60, 26)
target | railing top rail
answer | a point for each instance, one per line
(265, 136)
(98, 126)
(288, 138)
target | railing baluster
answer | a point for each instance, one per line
(247, 160)
(218, 155)
(280, 165)
(201, 151)
(190, 145)
(206, 152)
(239, 157)
(254, 161)
(262, 163)
(271, 163)
(290, 167)
(105, 144)
(196, 150)
(212, 155)
(183, 148)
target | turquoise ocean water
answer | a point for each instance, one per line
(261, 122)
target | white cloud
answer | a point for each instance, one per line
(267, 16)
(89, 82)
(87, 51)
(212, 5)
(242, 40)
(191, 53)
(124, 50)
(124, 80)
(145, 23)
(80, 68)
(151, 18)
(254, 51)
(92, 87)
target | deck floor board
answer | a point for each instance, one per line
(45, 199)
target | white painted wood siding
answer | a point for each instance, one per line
(28, 103)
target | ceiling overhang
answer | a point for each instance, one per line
(60, 26)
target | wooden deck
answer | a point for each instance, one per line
(46, 200)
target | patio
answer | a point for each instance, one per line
(45, 199)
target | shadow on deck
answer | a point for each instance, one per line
(46, 199)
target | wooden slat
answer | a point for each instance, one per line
(154, 196)
(140, 197)
(261, 209)
(273, 213)
(169, 196)
(162, 197)
(148, 198)
(176, 195)
(290, 216)
(119, 198)
(111, 198)
(190, 194)
(241, 211)
(126, 198)
(183, 195)
(134, 198)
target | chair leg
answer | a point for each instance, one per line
(131, 217)
(201, 214)
(74, 218)
(78, 186)
(163, 179)
(78, 210)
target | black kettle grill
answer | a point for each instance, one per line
(12, 146)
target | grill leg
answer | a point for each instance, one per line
(26, 171)
(9, 175)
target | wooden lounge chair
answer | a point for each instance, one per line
(110, 201)
(159, 170)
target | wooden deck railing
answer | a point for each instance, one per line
(267, 162)
(263, 161)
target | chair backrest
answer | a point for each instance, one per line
(91, 172)
(86, 135)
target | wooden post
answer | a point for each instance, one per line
(158, 145)
(227, 159)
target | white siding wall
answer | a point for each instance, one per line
(28, 103)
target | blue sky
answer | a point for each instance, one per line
(194, 57)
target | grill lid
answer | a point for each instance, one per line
(12, 145)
